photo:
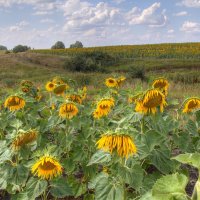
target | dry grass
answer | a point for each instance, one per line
(40, 68)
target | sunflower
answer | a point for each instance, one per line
(84, 93)
(68, 110)
(111, 82)
(191, 105)
(25, 89)
(161, 84)
(133, 99)
(60, 89)
(58, 81)
(122, 144)
(120, 80)
(103, 107)
(50, 86)
(24, 138)
(151, 100)
(26, 83)
(75, 98)
(14, 103)
(47, 167)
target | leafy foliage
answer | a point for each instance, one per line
(86, 171)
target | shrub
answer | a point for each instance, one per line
(80, 63)
(58, 45)
(20, 48)
(137, 72)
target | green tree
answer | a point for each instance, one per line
(58, 45)
(3, 48)
(77, 44)
(20, 48)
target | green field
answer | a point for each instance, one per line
(180, 63)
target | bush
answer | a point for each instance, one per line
(80, 63)
(137, 72)
(20, 48)
(3, 48)
(58, 45)
(7, 52)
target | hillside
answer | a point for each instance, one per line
(41, 65)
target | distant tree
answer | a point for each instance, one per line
(58, 45)
(20, 48)
(3, 48)
(77, 44)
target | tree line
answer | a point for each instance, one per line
(57, 45)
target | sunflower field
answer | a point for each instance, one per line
(60, 141)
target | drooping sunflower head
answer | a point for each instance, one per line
(151, 100)
(103, 107)
(68, 110)
(14, 103)
(26, 83)
(191, 105)
(75, 98)
(121, 80)
(50, 86)
(161, 84)
(60, 89)
(97, 114)
(121, 143)
(111, 82)
(47, 167)
(25, 89)
(23, 138)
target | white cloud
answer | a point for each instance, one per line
(118, 1)
(190, 27)
(182, 13)
(87, 15)
(18, 26)
(47, 20)
(170, 31)
(151, 16)
(191, 3)
(42, 7)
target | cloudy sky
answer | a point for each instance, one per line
(40, 23)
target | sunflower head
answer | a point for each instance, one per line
(135, 98)
(47, 167)
(84, 93)
(14, 103)
(111, 82)
(58, 80)
(50, 86)
(151, 100)
(161, 84)
(26, 83)
(121, 143)
(103, 107)
(75, 98)
(24, 138)
(25, 89)
(121, 80)
(60, 89)
(68, 110)
(191, 105)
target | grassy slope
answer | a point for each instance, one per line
(41, 67)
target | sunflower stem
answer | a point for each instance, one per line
(142, 125)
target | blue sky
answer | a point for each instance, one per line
(40, 23)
